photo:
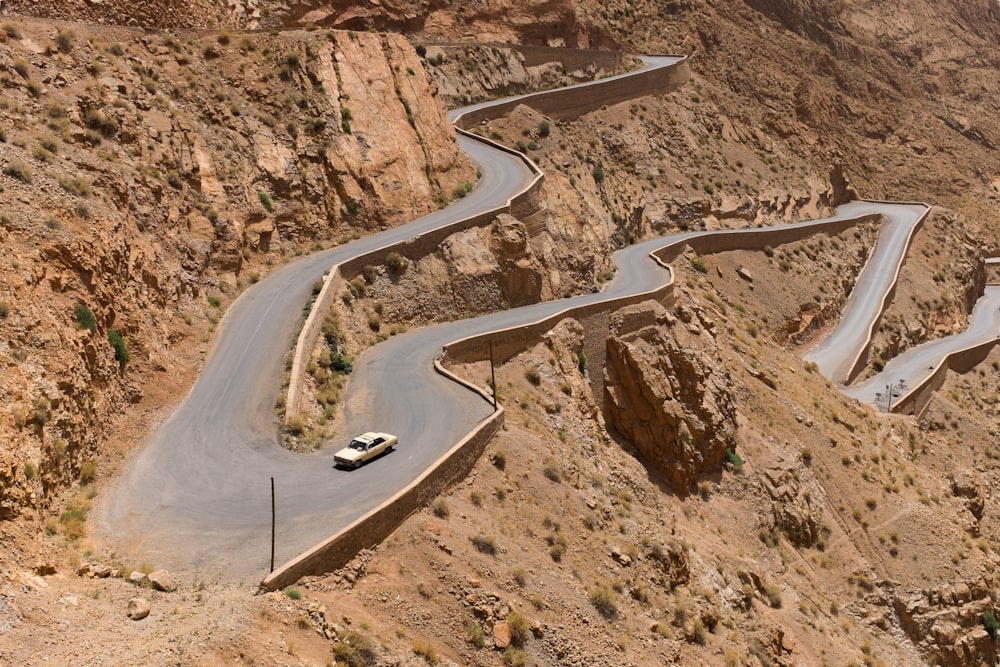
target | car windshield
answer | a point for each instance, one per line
(359, 445)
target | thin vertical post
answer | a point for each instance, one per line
(493, 377)
(272, 524)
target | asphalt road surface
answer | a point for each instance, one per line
(196, 495)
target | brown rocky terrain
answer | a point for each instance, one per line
(827, 534)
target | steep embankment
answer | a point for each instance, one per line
(147, 180)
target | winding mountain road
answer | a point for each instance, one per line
(196, 496)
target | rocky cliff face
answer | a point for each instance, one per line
(668, 392)
(148, 179)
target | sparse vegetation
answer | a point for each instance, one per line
(85, 317)
(484, 544)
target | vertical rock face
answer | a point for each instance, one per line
(667, 390)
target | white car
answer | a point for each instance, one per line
(364, 448)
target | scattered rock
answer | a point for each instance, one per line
(138, 609)
(501, 634)
(162, 581)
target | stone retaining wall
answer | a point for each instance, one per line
(573, 102)
(960, 361)
(374, 527)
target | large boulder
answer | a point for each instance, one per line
(668, 391)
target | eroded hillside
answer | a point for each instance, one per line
(701, 498)
(147, 180)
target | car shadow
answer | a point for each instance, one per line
(337, 466)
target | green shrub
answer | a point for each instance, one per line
(4, 310)
(213, 301)
(340, 363)
(698, 264)
(345, 120)
(543, 128)
(118, 343)
(499, 459)
(598, 173)
(990, 624)
(85, 317)
(265, 201)
(29, 470)
(533, 376)
(474, 634)
(734, 459)
(293, 593)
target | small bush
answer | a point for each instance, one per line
(88, 469)
(65, 39)
(484, 544)
(514, 657)
(354, 650)
(29, 470)
(345, 120)
(85, 317)
(598, 173)
(991, 624)
(440, 508)
(10, 30)
(543, 128)
(475, 635)
(98, 121)
(425, 650)
(552, 473)
(118, 343)
(520, 577)
(21, 67)
(499, 459)
(603, 600)
(773, 593)
(734, 459)
(698, 264)
(265, 201)
(293, 593)
(4, 310)
(74, 185)
(581, 362)
(532, 375)
(19, 170)
(518, 628)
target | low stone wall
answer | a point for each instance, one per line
(756, 238)
(960, 361)
(374, 527)
(508, 343)
(333, 284)
(573, 102)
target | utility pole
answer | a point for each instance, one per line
(493, 378)
(272, 524)
(888, 405)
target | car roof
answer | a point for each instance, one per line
(367, 437)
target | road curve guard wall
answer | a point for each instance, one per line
(572, 102)
(960, 361)
(374, 527)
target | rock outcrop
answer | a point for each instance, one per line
(948, 622)
(667, 390)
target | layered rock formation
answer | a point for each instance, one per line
(667, 390)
